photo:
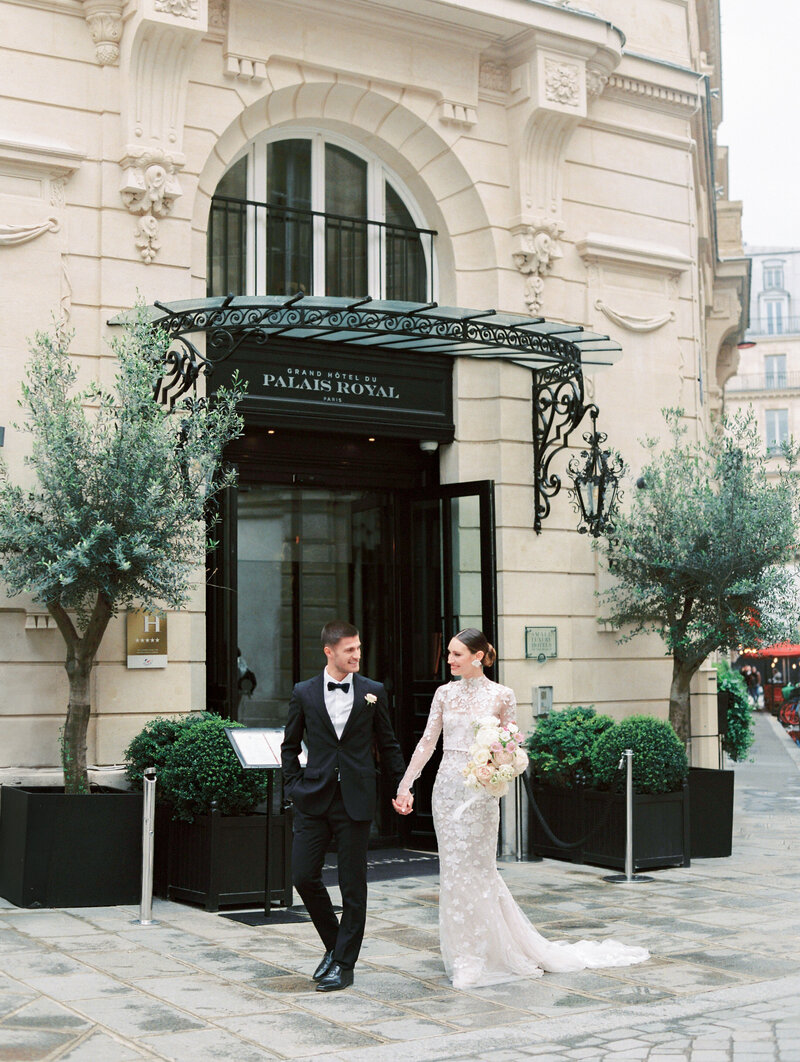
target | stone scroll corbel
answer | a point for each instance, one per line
(536, 248)
(149, 188)
(155, 60)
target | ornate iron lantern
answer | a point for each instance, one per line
(596, 474)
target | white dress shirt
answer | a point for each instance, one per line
(338, 703)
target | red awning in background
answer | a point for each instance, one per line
(782, 649)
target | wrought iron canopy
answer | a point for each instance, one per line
(557, 354)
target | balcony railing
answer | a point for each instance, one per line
(771, 326)
(267, 249)
(764, 381)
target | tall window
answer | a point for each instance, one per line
(312, 214)
(777, 429)
(776, 317)
(775, 370)
(773, 274)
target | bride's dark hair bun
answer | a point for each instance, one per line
(477, 642)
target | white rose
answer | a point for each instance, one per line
(486, 736)
(520, 761)
(370, 698)
(506, 772)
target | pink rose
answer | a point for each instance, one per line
(483, 774)
(503, 756)
(496, 747)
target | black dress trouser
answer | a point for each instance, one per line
(312, 837)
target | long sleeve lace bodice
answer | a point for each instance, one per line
(454, 708)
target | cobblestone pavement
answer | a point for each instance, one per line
(86, 985)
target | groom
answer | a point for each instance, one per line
(344, 716)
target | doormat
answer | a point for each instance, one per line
(279, 916)
(383, 864)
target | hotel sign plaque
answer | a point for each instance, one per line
(337, 388)
(147, 639)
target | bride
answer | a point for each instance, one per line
(485, 938)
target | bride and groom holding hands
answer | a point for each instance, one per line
(343, 718)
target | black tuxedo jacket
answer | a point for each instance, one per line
(350, 759)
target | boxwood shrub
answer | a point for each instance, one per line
(560, 746)
(659, 758)
(201, 767)
(152, 745)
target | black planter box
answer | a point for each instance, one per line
(711, 812)
(59, 850)
(661, 829)
(219, 860)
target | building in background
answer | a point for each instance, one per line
(768, 379)
(556, 165)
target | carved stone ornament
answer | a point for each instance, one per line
(13, 235)
(494, 77)
(179, 8)
(217, 14)
(596, 80)
(149, 187)
(562, 83)
(537, 248)
(104, 19)
(632, 322)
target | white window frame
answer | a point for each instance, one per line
(377, 174)
(777, 429)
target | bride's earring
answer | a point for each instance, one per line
(476, 663)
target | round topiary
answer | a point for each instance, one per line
(560, 746)
(659, 758)
(151, 746)
(201, 767)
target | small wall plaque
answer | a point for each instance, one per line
(541, 643)
(147, 639)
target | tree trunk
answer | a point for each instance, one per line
(73, 744)
(81, 652)
(679, 703)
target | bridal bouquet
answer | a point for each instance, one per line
(495, 757)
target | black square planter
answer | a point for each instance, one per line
(661, 831)
(59, 850)
(219, 860)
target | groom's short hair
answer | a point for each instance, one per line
(334, 631)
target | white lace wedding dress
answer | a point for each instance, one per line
(485, 938)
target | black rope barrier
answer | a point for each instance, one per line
(595, 829)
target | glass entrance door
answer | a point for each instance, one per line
(451, 585)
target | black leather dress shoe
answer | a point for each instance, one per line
(324, 966)
(336, 978)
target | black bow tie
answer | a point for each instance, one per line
(343, 686)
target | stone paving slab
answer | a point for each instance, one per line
(87, 985)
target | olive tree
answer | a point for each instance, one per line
(116, 516)
(704, 556)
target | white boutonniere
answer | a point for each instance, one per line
(370, 698)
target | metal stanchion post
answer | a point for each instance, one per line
(148, 829)
(628, 878)
(518, 816)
